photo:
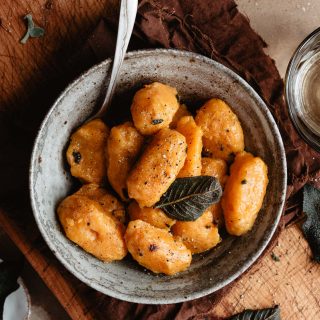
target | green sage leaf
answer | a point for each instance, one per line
(311, 227)
(262, 314)
(28, 17)
(188, 198)
(36, 32)
(32, 31)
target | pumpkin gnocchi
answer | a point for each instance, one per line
(182, 112)
(85, 153)
(200, 235)
(157, 167)
(147, 163)
(156, 249)
(193, 134)
(93, 228)
(222, 131)
(153, 107)
(123, 147)
(244, 193)
(155, 217)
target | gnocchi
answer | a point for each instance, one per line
(222, 131)
(141, 159)
(244, 193)
(182, 112)
(86, 223)
(216, 168)
(193, 134)
(155, 217)
(200, 235)
(123, 147)
(153, 107)
(157, 167)
(85, 153)
(156, 249)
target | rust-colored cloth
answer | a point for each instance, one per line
(216, 29)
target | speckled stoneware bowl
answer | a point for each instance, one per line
(196, 78)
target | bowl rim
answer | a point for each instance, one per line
(267, 237)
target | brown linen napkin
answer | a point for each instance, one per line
(216, 29)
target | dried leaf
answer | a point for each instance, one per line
(32, 31)
(275, 257)
(311, 228)
(36, 32)
(188, 198)
(262, 314)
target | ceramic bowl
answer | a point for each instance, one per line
(197, 79)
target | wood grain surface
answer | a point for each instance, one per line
(293, 281)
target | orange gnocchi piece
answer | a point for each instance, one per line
(244, 193)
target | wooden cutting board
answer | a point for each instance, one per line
(293, 281)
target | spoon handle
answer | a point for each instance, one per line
(128, 11)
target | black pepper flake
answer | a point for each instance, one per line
(157, 121)
(208, 226)
(244, 181)
(153, 247)
(76, 156)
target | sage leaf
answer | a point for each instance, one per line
(9, 272)
(188, 198)
(30, 22)
(32, 31)
(36, 32)
(311, 227)
(262, 314)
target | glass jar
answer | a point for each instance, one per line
(302, 89)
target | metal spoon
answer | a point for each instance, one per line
(128, 12)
